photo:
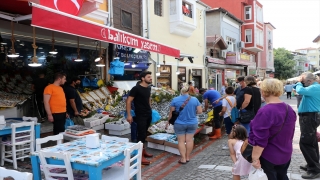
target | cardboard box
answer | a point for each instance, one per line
(206, 130)
(99, 127)
(172, 150)
(155, 146)
(117, 127)
(170, 144)
(160, 138)
(156, 141)
(120, 133)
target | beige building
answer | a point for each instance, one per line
(313, 58)
(180, 24)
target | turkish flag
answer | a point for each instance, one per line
(306, 65)
(68, 6)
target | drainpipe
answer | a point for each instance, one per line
(111, 17)
(205, 47)
(109, 10)
(148, 18)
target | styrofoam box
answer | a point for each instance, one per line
(91, 122)
(206, 130)
(120, 133)
(117, 127)
(102, 117)
(70, 137)
(99, 127)
(155, 146)
(171, 150)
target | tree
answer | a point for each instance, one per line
(283, 63)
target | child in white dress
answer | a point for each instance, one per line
(241, 166)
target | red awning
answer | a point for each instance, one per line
(51, 19)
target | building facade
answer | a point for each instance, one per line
(313, 57)
(224, 57)
(265, 66)
(252, 30)
(301, 62)
(181, 24)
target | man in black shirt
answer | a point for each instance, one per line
(141, 97)
(74, 102)
(38, 86)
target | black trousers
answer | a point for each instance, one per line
(308, 139)
(143, 122)
(217, 118)
(59, 120)
(288, 95)
(40, 106)
(274, 172)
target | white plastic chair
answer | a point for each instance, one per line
(47, 167)
(14, 174)
(127, 171)
(111, 138)
(18, 143)
(39, 141)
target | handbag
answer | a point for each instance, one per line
(175, 114)
(246, 148)
(234, 113)
(248, 115)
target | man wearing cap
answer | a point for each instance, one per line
(211, 96)
(141, 97)
(309, 120)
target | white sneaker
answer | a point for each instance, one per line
(225, 147)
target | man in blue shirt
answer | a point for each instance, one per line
(211, 96)
(309, 120)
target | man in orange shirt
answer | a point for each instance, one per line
(191, 89)
(55, 103)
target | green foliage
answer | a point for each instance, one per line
(198, 96)
(283, 63)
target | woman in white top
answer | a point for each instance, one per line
(227, 104)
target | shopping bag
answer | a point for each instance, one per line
(257, 174)
(69, 122)
(155, 116)
(210, 116)
(85, 82)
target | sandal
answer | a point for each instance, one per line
(182, 162)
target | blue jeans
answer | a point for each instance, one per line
(228, 124)
(247, 126)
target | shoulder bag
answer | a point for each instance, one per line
(234, 113)
(176, 113)
(248, 115)
(246, 148)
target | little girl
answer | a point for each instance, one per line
(241, 166)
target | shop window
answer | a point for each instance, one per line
(126, 19)
(181, 77)
(248, 34)
(164, 80)
(158, 7)
(187, 9)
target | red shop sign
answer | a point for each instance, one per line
(68, 6)
(51, 19)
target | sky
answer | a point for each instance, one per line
(297, 22)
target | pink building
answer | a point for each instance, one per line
(266, 61)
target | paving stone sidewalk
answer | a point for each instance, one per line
(212, 162)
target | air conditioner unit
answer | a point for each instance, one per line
(224, 54)
(241, 44)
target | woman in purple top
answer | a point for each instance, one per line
(272, 154)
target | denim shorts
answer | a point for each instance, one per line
(182, 129)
